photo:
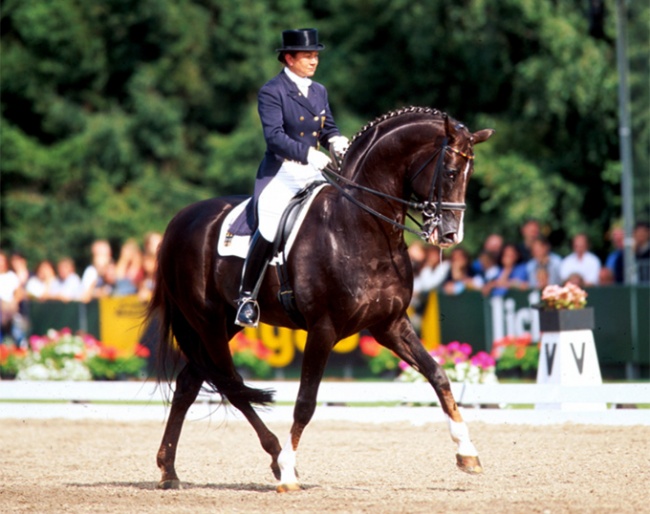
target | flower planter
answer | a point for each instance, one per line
(565, 319)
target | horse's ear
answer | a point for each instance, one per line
(482, 135)
(450, 131)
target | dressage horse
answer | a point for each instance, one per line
(349, 269)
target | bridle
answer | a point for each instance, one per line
(430, 209)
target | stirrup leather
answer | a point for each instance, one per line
(248, 312)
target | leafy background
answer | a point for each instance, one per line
(117, 113)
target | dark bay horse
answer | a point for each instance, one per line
(349, 269)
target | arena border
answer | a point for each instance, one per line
(369, 402)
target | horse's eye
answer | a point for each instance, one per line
(451, 173)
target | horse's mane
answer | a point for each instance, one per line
(395, 114)
(346, 166)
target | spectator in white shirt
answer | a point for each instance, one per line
(44, 284)
(70, 283)
(581, 261)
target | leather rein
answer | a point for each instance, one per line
(431, 210)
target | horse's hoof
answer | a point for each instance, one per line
(469, 464)
(170, 484)
(287, 488)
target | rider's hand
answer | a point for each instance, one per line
(339, 144)
(318, 160)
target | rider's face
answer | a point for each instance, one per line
(304, 64)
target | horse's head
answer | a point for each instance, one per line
(441, 180)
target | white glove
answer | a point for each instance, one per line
(339, 144)
(317, 160)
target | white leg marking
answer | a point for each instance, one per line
(460, 435)
(287, 463)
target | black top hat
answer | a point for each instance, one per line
(300, 40)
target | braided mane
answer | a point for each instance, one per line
(395, 114)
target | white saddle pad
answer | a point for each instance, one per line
(238, 245)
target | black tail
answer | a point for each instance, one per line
(173, 327)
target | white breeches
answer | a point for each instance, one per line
(291, 178)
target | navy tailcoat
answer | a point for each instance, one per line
(292, 124)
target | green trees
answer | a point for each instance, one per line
(117, 113)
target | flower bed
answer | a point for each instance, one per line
(516, 356)
(62, 355)
(458, 362)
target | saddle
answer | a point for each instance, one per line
(290, 222)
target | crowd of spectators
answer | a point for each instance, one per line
(530, 263)
(131, 274)
(498, 267)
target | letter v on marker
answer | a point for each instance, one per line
(550, 357)
(581, 360)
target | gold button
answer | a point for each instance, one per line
(315, 134)
(315, 118)
(302, 134)
(302, 118)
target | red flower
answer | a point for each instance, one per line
(369, 346)
(142, 351)
(108, 353)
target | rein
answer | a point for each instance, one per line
(431, 211)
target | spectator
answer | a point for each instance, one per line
(511, 273)
(433, 271)
(11, 294)
(493, 244)
(44, 284)
(417, 254)
(581, 261)
(545, 260)
(99, 277)
(614, 260)
(70, 283)
(606, 277)
(576, 279)
(530, 231)
(128, 270)
(641, 237)
(461, 276)
(149, 266)
(20, 268)
(152, 242)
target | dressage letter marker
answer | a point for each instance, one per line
(569, 358)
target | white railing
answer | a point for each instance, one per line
(375, 402)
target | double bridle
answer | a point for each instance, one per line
(431, 210)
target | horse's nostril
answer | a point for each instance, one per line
(449, 237)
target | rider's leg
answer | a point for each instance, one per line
(259, 254)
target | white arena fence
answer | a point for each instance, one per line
(374, 402)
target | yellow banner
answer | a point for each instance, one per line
(121, 326)
(120, 322)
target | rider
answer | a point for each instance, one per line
(296, 120)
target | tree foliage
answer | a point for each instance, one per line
(117, 113)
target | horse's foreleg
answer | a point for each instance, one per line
(188, 385)
(314, 360)
(402, 339)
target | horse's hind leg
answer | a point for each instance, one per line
(267, 438)
(402, 339)
(188, 385)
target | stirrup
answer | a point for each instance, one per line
(248, 313)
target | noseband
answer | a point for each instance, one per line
(431, 210)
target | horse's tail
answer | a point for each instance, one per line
(174, 334)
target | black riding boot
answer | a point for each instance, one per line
(259, 254)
